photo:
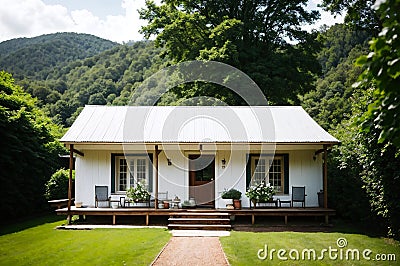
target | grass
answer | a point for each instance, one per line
(37, 242)
(241, 248)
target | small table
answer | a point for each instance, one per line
(285, 202)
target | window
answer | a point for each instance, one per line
(130, 170)
(268, 169)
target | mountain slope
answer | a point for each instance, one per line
(36, 57)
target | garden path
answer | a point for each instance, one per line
(192, 251)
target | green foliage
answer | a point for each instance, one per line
(108, 78)
(331, 101)
(337, 43)
(364, 174)
(360, 14)
(378, 125)
(57, 185)
(231, 194)
(383, 73)
(37, 57)
(249, 35)
(30, 150)
(260, 193)
(138, 193)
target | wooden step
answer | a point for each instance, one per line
(199, 220)
(200, 226)
(200, 214)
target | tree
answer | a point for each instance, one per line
(383, 74)
(30, 151)
(360, 14)
(253, 36)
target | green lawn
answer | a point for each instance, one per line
(39, 243)
(241, 248)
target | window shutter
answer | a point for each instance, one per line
(286, 174)
(151, 172)
(113, 173)
(248, 171)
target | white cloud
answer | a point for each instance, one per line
(326, 17)
(28, 18)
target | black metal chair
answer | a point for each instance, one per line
(101, 195)
(299, 195)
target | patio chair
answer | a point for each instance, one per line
(299, 195)
(101, 195)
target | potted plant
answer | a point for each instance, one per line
(234, 195)
(260, 193)
(139, 193)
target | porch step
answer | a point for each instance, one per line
(200, 226)
(199, 220)
(200, 214)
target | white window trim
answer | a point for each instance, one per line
(268, 166)
(134, 173)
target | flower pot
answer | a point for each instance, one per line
(166, 205)
(141, 204)
(237, 204)
(227, 202)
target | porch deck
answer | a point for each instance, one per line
(147, 212)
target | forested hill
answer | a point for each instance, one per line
(106, 78)
(35, 57)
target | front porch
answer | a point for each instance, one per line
(246, 212)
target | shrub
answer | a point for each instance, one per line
(231, 194)
(57, 186)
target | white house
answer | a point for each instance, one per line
(198, 151)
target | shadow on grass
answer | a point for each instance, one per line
(305, 224)
(29, 222)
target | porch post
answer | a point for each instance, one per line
(156, 183)
(325, 176)
(71, 166)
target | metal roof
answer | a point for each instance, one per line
(195, 124)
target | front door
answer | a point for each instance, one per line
(201, 179)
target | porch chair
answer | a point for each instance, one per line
(101, 194)
(299, 195)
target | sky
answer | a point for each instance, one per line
(115, 20)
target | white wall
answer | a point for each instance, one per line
(95, 169)
(92, 169)
(304, 171)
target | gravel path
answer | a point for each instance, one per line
(192, 251)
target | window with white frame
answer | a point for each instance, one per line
(268, 169)
(130, 170)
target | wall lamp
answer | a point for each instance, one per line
(223, 163)
(169, 161)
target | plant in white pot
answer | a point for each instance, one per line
(138, 194)
(234, 196)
